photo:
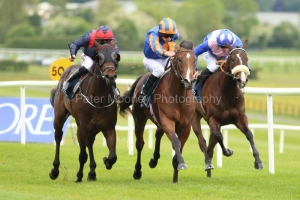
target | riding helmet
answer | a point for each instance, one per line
(167, 26)
(225, 36)
(104, 33)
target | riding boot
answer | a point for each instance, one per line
(144, 92)
(200, 81)
(197, 92)
(116, 91)
(76, 74)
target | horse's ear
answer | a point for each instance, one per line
(229, 46)
(245, 44)
(177, 47)
(97, 44)
(118, 57)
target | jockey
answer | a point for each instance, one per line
(103, 34)
(159, 45)
(214, 48)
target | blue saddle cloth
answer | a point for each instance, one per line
(70, 89)
(149, 94)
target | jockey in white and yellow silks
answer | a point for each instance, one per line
(159, 45)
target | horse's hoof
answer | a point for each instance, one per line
(152, 163)
(54, 174)
(91, 177)
(137, 175)
(107, 163)
(208, 173)
(228, 152)
(182, 166)
(209, 166)
(78, 181)
(258, 165)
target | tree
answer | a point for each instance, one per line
(265, 5)
(285, 35)
(12, 12)
(196, 20)
(156, 8)
(240, 16)
(19, 31)
(61, 26)
(126, 36)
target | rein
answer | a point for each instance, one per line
(221, 66)
(101, 72)
(172, 64)
(99, 107)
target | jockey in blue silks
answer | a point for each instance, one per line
(159, 45)
(213, 49)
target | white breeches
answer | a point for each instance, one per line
(155, 66)
(86, 61)
(210, 61)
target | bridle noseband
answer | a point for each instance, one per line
(106, 56)
(228, 60)
(172, 59)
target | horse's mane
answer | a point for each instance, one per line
(187, 44)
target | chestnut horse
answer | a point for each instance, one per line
(171, 108)
(94, 109)
(223, 104)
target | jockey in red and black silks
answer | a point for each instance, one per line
(103, 34)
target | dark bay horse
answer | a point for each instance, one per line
(171, 109)
(223, 103)
(94, 109)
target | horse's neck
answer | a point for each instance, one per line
(227, 84)
(175, 86)
(96, 86)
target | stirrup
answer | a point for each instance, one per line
(117, 92)
(144, 101)
(65, 88)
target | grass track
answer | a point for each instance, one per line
(24, 172)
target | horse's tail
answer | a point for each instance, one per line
(126, 99)
(52, 96)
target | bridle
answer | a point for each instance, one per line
(175, 66)
(105, 57)
(103, 54)
(228, 60)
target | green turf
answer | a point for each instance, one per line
(24, 169)
(24, 172)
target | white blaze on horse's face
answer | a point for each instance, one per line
(187, 76)
(242, 70)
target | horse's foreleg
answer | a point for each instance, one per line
(110, 137)
(175, 165)
(83, 156)
(93, 165)
(201, 141)
(55, 171)
(140, 123)
(243, 126)
(156, 155)
(215, 130)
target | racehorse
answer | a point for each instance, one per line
(94, 109)
(171, 107)
(223, 104)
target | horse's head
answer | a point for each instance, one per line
(107, 61)
(183, 63)
(237, 63)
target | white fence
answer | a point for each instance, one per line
(269, 92)
(8, 52)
